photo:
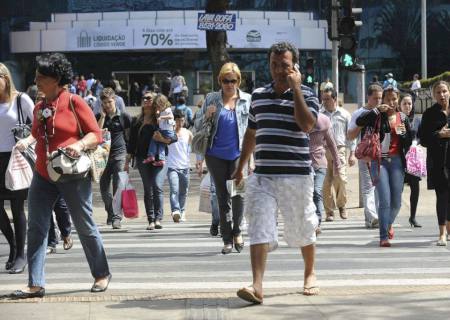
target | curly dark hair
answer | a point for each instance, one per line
(55, 65)
(282, 47)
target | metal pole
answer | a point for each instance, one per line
(424, 39)
(334, 48)
(361, 98)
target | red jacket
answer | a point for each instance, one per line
(65, 126)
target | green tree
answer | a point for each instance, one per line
(398, 26)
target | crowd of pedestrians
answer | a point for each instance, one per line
(288, 151)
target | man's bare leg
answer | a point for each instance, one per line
(309, 285)
(258, 257)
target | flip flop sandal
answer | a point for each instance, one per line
(311, 291)
(68, 243)
(249, 294)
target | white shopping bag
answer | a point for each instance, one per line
(205, 195)
(117, 198)
(19, 173)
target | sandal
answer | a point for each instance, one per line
(249, 294)
(68, 242)
(311, 291)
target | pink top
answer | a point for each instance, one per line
(318, 138)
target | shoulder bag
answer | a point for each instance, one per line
(202, 138)
(99, 155)
(22, 130)
(369, 148)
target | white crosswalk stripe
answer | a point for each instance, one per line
(184, 257)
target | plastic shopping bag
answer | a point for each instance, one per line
(19, 173)
(117, 198)
(129, 202)
(416, 161)
(205, 198)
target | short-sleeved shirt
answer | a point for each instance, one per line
(116, 125)
(282, 148)
(62, 127)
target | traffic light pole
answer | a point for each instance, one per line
(334, 45)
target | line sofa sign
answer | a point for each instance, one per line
(216, 21)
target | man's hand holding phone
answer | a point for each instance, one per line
(294, 77)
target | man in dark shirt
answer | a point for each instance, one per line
(117, 125)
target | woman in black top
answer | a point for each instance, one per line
(143, 129)
(435, 135)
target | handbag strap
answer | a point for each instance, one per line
(20, 116)
(76, 117)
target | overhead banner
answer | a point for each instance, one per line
(151, 37)
(216, 21)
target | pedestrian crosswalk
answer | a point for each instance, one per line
(185, 258)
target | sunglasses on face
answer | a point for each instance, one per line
(147, 98)
(228, 81)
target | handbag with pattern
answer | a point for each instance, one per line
(99, 155)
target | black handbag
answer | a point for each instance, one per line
(22, 130)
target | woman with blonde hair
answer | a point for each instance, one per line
(228, 110)
(143, 129)
(15, 107)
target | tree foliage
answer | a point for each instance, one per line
(216, 41)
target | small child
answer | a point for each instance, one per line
(156, 150)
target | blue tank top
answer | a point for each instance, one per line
(226, 141)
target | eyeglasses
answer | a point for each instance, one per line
(228, 81)
(147, 98)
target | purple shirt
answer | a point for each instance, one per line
(318, 138)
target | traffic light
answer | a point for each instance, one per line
(347, 35)
(309, 74)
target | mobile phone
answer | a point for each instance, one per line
(297, 67)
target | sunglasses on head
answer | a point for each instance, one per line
(228, 81)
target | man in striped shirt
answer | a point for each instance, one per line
(281, 115)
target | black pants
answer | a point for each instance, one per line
(62, 215)
(230, 209)
(16, 238)
(443, 205)
(413, 183)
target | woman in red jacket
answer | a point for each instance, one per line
(55, 126)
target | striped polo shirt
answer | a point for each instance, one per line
(282, 148)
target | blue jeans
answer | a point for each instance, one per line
(214, 204)
(319, 176)
(158, 149)
(153, 181)
(179, 184)
(42, 196)
(389, 189)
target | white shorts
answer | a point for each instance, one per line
(293, 197)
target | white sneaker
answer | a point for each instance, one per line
(183, 216)
(176, 216)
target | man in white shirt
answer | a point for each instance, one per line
(374, 98)
(340, 121)
(415, 85)
(90, 99)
